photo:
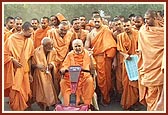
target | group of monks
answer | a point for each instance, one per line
(37, 55)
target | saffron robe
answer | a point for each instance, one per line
(16, 80)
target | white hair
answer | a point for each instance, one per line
(45, 40)
(77, 41)
(64, 23)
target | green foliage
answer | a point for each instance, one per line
(29, 11)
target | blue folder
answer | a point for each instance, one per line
(132, 68)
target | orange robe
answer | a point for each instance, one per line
(7, 34)
(128, 45)
(43, 87)
(118, 70)
(81, 35)
(5, 30)
(151, 78)
(16, 81)
(39, 35)
(61, 46)
(119, 86)
(104, 50)
(85, 89)
(33, 34)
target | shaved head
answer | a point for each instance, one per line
(150, 14)
(46, 40)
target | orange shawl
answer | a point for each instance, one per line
(21, 49)
(127, 44)
(17, 80)
(39, 35)
(60, 44)
(151, 43)
(82, 60)
(7, 34)
(85, 89)
(42, 83)
(6, 30)
(103, 42)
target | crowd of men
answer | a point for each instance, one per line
(38, 53)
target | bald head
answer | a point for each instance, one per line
(150, 18)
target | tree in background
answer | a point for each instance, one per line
(29, 11)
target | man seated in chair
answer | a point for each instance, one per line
(85, 89)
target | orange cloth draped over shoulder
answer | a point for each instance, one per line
(82, 35)
(85, 89)
(5, 30)
(61, 46)
(43, 87)
(16, 81)
(104, 42)
(104, 50)
(39, 35)
(151, 78)
(7, 34)
(128, 45)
